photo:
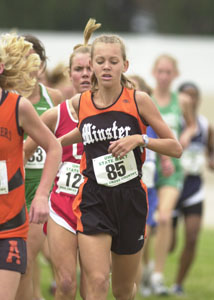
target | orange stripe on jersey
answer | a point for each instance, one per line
(147, 201)
(11, 151)
(82, 163)
(76, 205)
(123, 103)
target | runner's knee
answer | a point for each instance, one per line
(66, 284)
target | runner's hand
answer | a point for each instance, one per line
(39, 210)
(124, 145)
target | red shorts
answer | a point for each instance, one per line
(61, 210)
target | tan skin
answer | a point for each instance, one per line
(55, 95)
(192, 221)
(108, 65)
(167, 166)
(186, 99)
(35, 237)
(65, 261)
(165, 73)
(32, 125)
(80, 75)
(126, 144)
(49, 118)
(147, 242)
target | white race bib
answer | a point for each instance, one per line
(3, 178)
(112, 171)
(192, 161)
(69, 178)
(148, 171)
(37, 160)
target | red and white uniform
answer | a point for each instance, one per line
(68, 178)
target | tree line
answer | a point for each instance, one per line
(160, 16)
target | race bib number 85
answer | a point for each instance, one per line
(112, 171)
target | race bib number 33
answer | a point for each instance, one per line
(112, 171)
(37, 160)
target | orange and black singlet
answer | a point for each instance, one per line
(13, 214)
(100, 126)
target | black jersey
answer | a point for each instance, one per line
(100, 126)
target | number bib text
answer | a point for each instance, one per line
(69, 178)
(112, 171)
(3, 178)
(37, 160)
(192, 161)
(148, 171)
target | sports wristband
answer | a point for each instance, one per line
(145, 140)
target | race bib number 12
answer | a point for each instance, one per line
(69, 178)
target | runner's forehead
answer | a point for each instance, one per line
(107, 49)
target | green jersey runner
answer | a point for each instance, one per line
(34, 166)
(172, 115)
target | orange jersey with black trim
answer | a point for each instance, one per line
(13, 214)
(100, 126)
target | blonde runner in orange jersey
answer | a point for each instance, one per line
(17, 65)
(13, 219)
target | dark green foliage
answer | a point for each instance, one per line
(169, 16)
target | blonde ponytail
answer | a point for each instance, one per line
(90, 27)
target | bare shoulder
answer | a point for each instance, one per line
(49, 117)
(26, 111)
(25, 105)
(143, 100)
(142, 97)
(56, 95)
(147, 109)
(27, 114)
(75, 102)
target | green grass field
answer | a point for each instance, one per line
(199, 284)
